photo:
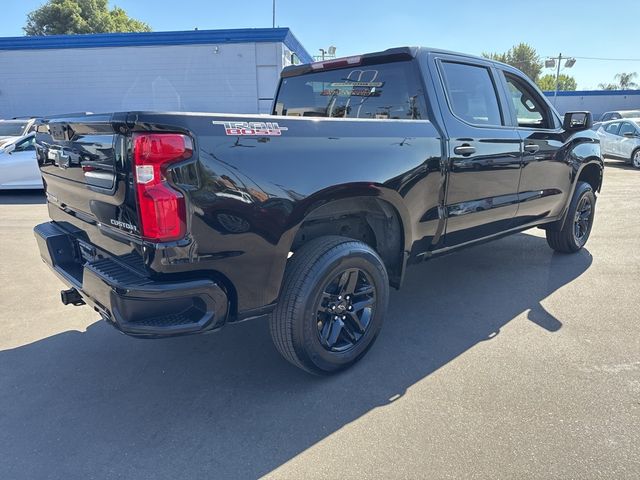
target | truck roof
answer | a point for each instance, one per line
(388, 55)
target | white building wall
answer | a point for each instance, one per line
(596, 104)
(268, 67)
(233, 78)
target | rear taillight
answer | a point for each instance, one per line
(162, 208)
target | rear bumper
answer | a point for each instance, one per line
(134, 303)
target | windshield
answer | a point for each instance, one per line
(12, 129)
(386, 91)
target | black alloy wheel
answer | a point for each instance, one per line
(332, 304)
(345, 310)
(572, 234)
(582, 220)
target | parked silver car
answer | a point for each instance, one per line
(11, 130)
(620, 139)
(18, 165)
(618, 114)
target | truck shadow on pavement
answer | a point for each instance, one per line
(98, 404)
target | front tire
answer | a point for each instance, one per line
(333, 300)
(635, 158)
(577, 226)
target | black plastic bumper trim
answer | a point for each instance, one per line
(132, 302)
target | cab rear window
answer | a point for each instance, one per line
(385, 91)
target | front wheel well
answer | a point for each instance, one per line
(370, 220)
(592, 174)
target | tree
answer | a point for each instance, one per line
(624, 82)
(565, 82)
(522, 56)
(608, 86)
(80, 16)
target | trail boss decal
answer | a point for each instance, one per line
(252, 128)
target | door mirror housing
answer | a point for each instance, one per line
(575, 121)
(10, 148)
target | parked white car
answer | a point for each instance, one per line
(618, 114)
(11, 130)
(620, 139)
(18, 165)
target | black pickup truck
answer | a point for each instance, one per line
(179, 223)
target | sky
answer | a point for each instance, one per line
(578, 28)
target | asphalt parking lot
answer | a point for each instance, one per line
(501, 361)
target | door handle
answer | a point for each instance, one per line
(464, 150)
(531, 148)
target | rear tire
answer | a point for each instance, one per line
(577, 226)
(635, 158)
(331, 307)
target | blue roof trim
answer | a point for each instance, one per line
(189, 37)
(295, 46)
(592, 93)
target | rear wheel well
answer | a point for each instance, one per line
(370, 220)
(592, 174)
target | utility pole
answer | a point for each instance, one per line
(557, 78)
(550, 62)
(273, 16)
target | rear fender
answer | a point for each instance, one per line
(334, 195)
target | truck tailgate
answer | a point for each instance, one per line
(87, 174)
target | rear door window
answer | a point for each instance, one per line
(471, 93)
(384, 91)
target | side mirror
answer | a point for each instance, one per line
(576, 121)
(10, 148)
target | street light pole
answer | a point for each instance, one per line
(273, 16)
